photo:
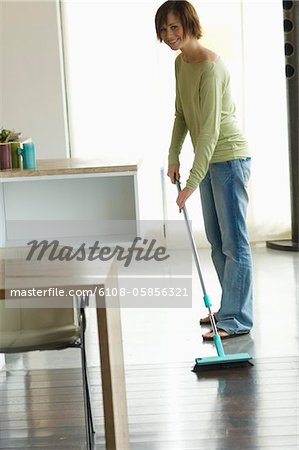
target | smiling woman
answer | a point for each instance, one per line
(172, 33)
(204, 108)
(168, 21)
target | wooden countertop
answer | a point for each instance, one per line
(73, 166)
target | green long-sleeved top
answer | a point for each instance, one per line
(205, 108)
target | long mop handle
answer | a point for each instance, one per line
(206, 297)
(194, 249)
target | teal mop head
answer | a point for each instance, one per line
(222, 362)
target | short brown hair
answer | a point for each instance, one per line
(184, 11)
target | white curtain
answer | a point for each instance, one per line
(121, 96)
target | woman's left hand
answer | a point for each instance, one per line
(182, 197)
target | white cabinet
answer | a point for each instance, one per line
(71, 190)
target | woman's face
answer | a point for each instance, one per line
(172, 33)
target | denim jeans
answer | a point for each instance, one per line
(224, 202)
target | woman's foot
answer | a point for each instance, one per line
(206, 320)
(209, 336)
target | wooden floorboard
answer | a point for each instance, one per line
(170, 407)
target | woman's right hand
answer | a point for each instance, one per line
(174, 172)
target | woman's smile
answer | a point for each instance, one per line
(173, 42)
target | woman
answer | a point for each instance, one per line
(221, 166)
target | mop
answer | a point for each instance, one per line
(221, 360)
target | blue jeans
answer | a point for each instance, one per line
(224, 202)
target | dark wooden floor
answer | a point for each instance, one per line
(170, 407)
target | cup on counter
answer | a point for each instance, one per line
(28, 155)
(5, 156)
(16, 159)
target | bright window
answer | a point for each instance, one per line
(121, 94)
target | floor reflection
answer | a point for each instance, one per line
(235, 403)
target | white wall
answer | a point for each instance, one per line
(33, 99)
(2, 361)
